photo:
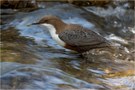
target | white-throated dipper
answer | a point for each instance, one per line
(72, 36)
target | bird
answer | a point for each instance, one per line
(72, 36)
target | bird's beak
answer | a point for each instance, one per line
(33, 24)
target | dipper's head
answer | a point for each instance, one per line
(50, 20)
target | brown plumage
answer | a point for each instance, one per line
(76, 37)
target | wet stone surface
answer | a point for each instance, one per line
(30, 59)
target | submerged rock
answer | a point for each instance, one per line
(13, 35)
(14, 47)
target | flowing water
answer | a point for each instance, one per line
(30, 59)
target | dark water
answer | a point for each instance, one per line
(30, 59)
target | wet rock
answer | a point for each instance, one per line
(12, 35)
(13, 47)
(99, 54)
(90, 2)
(18, 4)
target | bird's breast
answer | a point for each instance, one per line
(54, 35)
(57, 39)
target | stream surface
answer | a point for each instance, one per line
(30, 59)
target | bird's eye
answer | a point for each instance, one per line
(46, 20)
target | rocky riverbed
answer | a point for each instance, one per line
(30, 59)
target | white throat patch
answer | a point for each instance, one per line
(55, 36)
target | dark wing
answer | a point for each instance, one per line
(81, 37)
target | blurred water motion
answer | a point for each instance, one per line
(30, 59)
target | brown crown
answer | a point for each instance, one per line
(55, 21)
